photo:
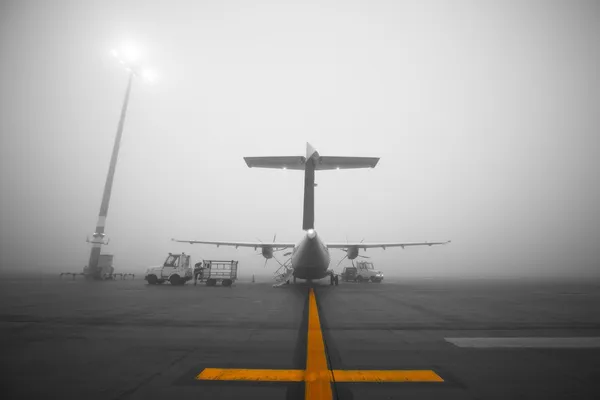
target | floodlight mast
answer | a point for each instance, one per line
(94, 272)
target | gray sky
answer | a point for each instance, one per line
(485, 116)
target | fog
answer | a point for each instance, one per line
(485, 116)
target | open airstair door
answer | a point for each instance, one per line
(284, 273)
(283, 278)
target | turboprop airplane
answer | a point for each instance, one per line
(310, 256)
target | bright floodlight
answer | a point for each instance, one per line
(129, 56)
(129, 52)
(149, 75)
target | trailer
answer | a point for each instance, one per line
(213, 272)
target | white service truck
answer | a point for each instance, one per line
(366, 272)
(176, 270)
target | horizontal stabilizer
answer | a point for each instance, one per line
(289, 162)
(309, 164)
(328, 162)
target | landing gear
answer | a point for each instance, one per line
(294, 280)
(333, 280)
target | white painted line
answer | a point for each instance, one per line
(528, 342)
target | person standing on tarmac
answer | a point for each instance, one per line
(198, 271)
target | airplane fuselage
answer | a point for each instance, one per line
(310, 257)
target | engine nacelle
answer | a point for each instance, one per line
(267, 251)
(352, 252)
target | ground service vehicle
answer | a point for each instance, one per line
(175, 270)
(215, 271)
(365, 272)
(349, 274)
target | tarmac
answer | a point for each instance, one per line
(128, 340)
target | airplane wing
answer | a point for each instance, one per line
(364, 246)
(275, 245)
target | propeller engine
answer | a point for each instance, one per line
(351, 253)
(267, 251)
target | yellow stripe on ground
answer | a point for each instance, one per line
(273, 375)
(386, 376)
(317, 376)
(298, 375)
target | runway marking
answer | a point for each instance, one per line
(317, 375)
(386, 376)
(271, 375)
(298, 375)
(528, 342)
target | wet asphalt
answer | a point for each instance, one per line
(129, 340)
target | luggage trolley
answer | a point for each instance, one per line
(217, 271)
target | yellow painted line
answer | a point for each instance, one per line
(298, 375)
(272, 375)
(386, 376)
(317, 376)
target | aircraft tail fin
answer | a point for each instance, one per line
(308, 217)
(311, 163)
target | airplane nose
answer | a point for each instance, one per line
(311, 233)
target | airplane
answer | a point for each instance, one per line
(310, 256)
